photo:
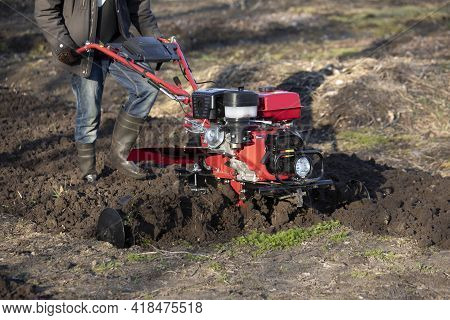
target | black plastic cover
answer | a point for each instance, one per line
(149, 49)
(208, 103)
(240, 98)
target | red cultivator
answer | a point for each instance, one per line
(247, 139)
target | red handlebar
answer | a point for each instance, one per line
(173, 89)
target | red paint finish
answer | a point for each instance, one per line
(237, 186)
(186, 68)
(173, 89)
(251, 154)
(219, 167)
(279, 106)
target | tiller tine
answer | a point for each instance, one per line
(111, 228)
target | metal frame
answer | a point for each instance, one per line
(175, 92)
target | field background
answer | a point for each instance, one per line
(374, 77)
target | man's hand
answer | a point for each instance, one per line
(68, 56)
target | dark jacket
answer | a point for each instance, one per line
(73, 22)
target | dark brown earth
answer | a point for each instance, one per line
(394, 245)
(40, 183)
(408, 203)
(17, 289)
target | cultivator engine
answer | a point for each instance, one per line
(250, 141)
(247, 139)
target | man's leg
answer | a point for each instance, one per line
(131, 117)
(88, 93)
(141, 94)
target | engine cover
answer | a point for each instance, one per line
(279, 106)
(208, 103)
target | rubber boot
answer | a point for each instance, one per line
(86, 161)
(126, 131)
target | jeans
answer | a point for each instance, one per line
(88, 93)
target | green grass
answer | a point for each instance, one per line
(341, 52)
(330, 51)
(220, 271)
(304, 9)
(339, 236)
(216, 267)
(381, 22)
(425, 268)
(285, 239)
(359, 274)
(366, 139)
(137, 257)
(104, 267)
(358, 140)
(380, 254)
(196, 257)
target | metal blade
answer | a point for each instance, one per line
(110, 228)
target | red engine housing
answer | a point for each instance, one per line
(279, 106)
(252, 155)
(273, 106)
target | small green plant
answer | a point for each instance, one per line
(106, 266)
(196, 257)
(220, 270)
(147, 296)
(220, 247)
(285, 239)
(144, 242)
(58, 192)
(137, 257)
(216, 266)
(425, 268)
(380, 254)
(339, 236)
(359, 274)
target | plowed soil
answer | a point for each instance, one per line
(17, 289)
(365, 88)
(39, 182)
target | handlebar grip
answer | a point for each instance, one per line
(81, 50)
(164, 40)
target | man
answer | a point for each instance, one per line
(67, 25)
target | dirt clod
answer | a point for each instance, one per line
(15, 289)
